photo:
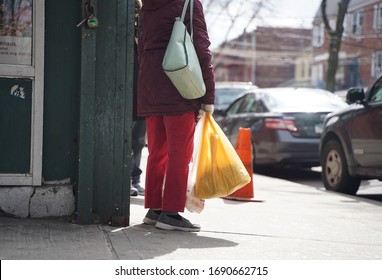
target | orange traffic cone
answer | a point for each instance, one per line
(244, 150)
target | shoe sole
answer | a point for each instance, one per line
(149, 221)
(171, 227)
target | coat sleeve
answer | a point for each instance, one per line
(202, 44)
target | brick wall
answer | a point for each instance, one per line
(268, 57)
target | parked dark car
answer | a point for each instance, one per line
(351, 144)
(227, 92)
(285, 123)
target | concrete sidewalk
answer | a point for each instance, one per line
(293, 222)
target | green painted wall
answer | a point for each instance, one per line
(105, 92)
(106, 114)
(62, 88)
(113, 105)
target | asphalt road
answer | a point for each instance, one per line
(371, 189)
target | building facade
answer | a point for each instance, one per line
(360, 57)
(267, 57)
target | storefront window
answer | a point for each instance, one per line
(16, 32)
(22, 29)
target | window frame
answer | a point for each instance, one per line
(356, 22)
(35, 72)
(318, 35)
(377, 18)
(376, 64)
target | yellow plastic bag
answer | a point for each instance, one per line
(220, 170)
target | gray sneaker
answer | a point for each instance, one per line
(171, 223)
(141, 191)
(151, 218)
(133, 191)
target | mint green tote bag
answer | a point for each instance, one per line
(180, 62)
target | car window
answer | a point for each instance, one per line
(252, 105)
(235, 107)
(259, 107)
(255, 105)
(247, 104)
(227, 95)
(376, 94)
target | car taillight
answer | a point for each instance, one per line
(280, 124)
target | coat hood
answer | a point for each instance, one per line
(154, 4)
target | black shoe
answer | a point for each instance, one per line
(176, 222)
(151, 217)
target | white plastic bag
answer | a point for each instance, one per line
(194, 204)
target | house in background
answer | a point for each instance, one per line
(303, 63)
(360, 57)
(268, 57)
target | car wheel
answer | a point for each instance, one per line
(335, 175)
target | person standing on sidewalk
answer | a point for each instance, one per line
(138, 132)
(170, 119)
(137, 145)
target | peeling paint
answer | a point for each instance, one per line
(30, 201)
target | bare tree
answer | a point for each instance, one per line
(236, 15)
(335, 36)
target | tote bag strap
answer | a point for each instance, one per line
(191, 12)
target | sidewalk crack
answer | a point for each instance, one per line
(30, 202)
(108, 243)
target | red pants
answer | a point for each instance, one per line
(170, 146)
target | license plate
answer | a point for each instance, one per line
(318, 128)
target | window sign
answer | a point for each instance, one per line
(16, 32)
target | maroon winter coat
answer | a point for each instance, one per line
(156, 94)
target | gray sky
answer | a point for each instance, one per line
(290, 13)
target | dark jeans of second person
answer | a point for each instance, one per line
(137, 144)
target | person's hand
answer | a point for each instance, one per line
(200, 114)
(208, 108)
